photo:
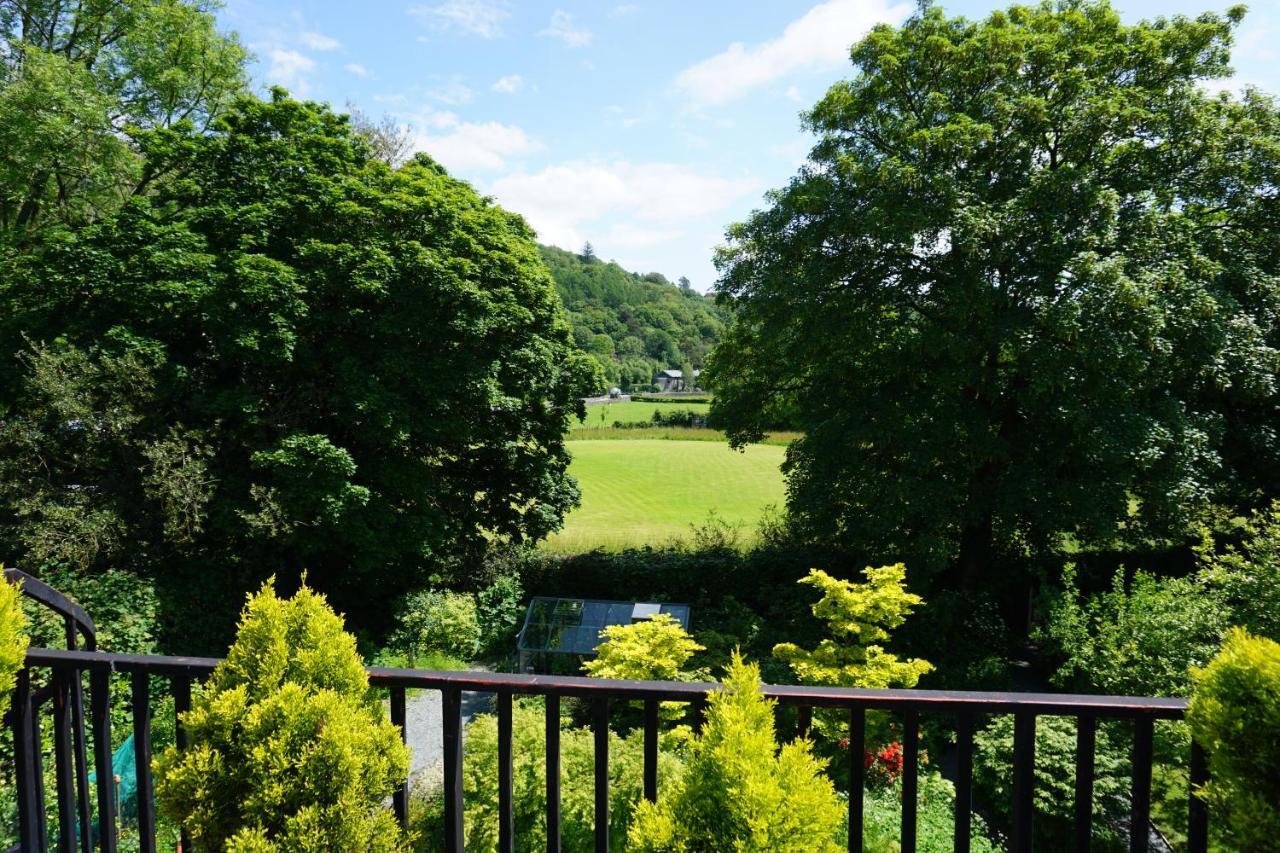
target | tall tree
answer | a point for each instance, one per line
(78, 78)
(1027, 286)
(295, 358)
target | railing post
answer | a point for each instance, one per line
(1024, 780)
(451, 713)
(400, 796)
(506, 819)
(26, 753)
(857, 773)
(964, 783)
(1086, 743)
(64, 769)
(100, 702)
(910, 778)
(651, 750)
(1140, 820)
(142, 755)
(804, 720)
(1197, 809)
(181, 688)
(553, 773)
(600, 726)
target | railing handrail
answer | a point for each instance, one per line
(925, 701)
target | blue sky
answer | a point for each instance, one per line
(645, 127)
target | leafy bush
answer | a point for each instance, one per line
(289, 750)
(739, 791)
(859, 617)
(577, 789)
(1054, 772)
(1235, 715)
(1248, 575)
(498, 611)
(649, 650)
(438, 620)
(1140, 641)
(13, 635)
(935, 819)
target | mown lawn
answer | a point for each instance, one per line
(604, 414)
(650, 491)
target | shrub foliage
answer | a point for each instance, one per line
(288, 750)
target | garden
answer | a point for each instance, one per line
(993, 385)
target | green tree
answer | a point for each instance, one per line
(13, 634)
(289, 749)
(73, 75)
(739, 791)
(1024, 288)
(293, 357)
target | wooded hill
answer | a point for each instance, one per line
(633, 324)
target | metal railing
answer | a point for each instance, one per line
(67, 668)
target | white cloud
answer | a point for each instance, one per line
(319, 41)
(468, 146)
(477, 17)
(357, 69)
(564, 27)
(625, 9)
(289, 68)
(631, 204)
(508, 85)
(818, 40)
(451, 92)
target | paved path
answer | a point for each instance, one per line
(426, 730)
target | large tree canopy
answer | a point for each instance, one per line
(77, 77)
(291, 357)
(1026, 286)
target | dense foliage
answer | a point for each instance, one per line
(433, 620)
(1235, 714)
(1025, 287)
(13, 635)
(739, 791)
(654, 649)
(577, 785)
(633, 325)
(289, 750)
(78, 79)
(291, 357)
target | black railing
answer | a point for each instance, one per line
(67, 668)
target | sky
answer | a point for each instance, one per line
(644, 127)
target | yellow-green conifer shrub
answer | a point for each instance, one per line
(649, 650)
(1235, 715)
(859, 617)
(289, 750)
(739, 791)
(13, 635)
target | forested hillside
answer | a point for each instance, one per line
(633, 324)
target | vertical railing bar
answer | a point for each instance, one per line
(804, 720)
(1140, 820)
(42, 829)
(400, 796)
(142, 755)
(451, 714)
(910, 778)
(100, 702)
(964, 783)
(651, 750)
(26, 754)
(1024, 761)
(180, 686)
(600, 726)
(699, 707)
(78, 744)
(553, 773)
(1086, 746)
(857, 772)
(1197, 809)
(64, 770)
(506, 819)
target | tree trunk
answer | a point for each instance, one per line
(977, 551)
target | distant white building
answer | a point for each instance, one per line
(673, 380)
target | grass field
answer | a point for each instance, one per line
(604, 414)
(649, 492)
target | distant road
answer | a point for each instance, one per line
(625, 398)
